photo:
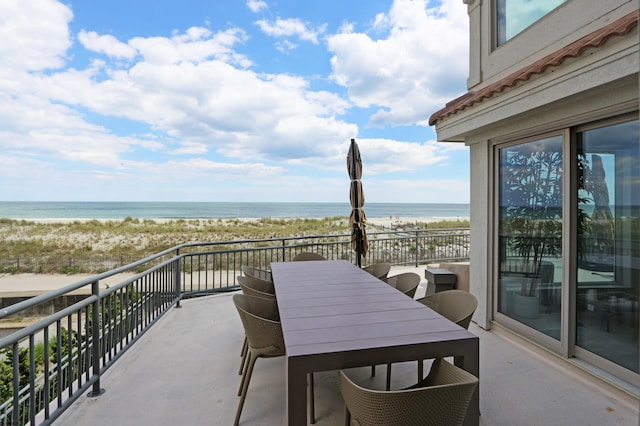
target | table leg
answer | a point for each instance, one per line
(296, 394)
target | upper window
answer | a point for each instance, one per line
(516, 15)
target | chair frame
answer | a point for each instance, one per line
(260, 274)
(257, 287)
(406, 282)
(460, 309)
(464, 305)
(442, 398)
(307, 256)
(379, 270)
(264, 340)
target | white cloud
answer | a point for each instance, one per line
(39, 129)
(390, 156)
(419, 65)
(190, 148)
(257, 5)
(201, 110)
(226, 170)
(285, 46)
(34, 34)
(106, 44)
(290, 27)
(195, 45)
(193, 90)
(421, 190)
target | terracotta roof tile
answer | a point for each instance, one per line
(595, 39)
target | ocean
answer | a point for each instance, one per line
(224, 210)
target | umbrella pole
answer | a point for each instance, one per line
(358, 233)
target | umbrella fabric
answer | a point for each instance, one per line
(364, 242)
(357, 217)
(354, 166)
(356, 195)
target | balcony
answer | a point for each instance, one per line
(162, 358)
(184, 370)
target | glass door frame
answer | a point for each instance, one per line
(573, 349)
(566, 346)
(560, 346)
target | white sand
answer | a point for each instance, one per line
(34, 284)
(376, 221)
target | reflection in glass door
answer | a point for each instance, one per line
(608, 243)
(530, 231)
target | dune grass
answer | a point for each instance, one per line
(138, 238)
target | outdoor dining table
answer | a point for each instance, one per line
(334, 315)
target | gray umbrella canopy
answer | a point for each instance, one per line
(356, 196)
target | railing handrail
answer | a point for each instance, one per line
(109, 321)
(50, 295)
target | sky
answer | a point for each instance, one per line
(229, 100)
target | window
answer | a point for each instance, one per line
(530, 233)
(516, 15)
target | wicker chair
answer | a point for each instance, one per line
(442, 398)
(455, 305)
(260, 274)
(263, 307)
(265, 341)
(407, 283)
(248, 288)
(304, 256)
(255, 284)
(379, 270)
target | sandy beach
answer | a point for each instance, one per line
(385, 222)
(107, 242)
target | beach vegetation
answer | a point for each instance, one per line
(91, 246)
(6, 371)
(57, 345)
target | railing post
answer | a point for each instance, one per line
(15, 418)
(417, 250)
(95, 339)
(283, 250)
(176, 277)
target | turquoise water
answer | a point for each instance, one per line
(207, 210)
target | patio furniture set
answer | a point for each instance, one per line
(325, 315)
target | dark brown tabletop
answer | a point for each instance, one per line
(335, 315)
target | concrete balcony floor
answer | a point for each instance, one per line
(184, 371)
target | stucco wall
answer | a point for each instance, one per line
(567, 23)
(479, 278)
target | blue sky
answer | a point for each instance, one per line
(229, 100)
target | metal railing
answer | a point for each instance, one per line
(59, 358)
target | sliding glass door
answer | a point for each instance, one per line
(568, 242)
(530, 233)
(608, 245)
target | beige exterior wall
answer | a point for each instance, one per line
(601, 83)
(480, 266)
(566, 24)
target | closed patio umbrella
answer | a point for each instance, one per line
(356, 196)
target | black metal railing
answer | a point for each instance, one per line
(59, 358)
